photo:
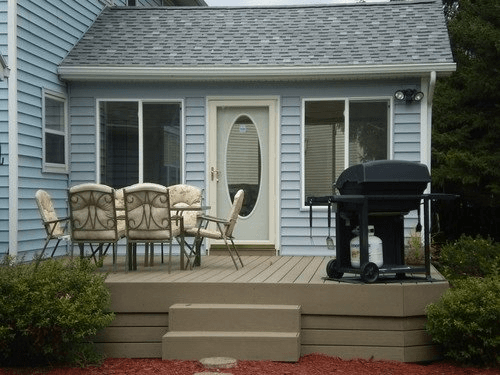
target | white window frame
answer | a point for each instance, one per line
(55, 167)
(140, 103)
(347, 101)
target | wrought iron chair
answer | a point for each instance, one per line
(93, 219)
(148, 220)
(224, 228)
(183, 198)
(55, 228)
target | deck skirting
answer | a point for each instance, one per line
(348, 319)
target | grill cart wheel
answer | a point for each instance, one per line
(369, 272)
(331, 270)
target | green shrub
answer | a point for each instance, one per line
(50, 311)
(466, 321)
(470, 256)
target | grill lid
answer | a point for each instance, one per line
(384, 172)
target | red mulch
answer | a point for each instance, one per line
(313, 364)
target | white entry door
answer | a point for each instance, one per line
(242, 155)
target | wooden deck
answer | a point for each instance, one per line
(346, 318)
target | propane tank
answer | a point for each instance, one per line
(375, 252)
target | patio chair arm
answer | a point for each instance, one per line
(51, 228)
(214, 219)
(57, 220)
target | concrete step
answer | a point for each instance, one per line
(246, 332)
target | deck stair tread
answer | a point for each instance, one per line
(242, 331)
(243, 334)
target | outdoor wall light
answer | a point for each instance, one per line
(410, 95)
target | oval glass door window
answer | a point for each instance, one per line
(243, 162)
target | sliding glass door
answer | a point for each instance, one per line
(139, 142)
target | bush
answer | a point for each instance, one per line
(50, 311)
(465, 321)
(470, 256)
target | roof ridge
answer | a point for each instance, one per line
(301, 6)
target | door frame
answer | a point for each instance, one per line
(272, 103)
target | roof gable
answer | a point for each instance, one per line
(360, 34)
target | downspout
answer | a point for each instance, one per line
(426, 129)
(13, 131)
(430, 97)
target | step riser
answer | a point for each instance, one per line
(195, 347)
(242, 318)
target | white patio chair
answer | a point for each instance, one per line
(148, 220)
(223, 228)
(93, 219)
(184, 196)
(52, 224)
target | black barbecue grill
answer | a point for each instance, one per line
(390, 178)
(378, 194)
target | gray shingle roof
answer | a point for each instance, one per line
(350, 34)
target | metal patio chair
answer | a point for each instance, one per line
(55, 228)
(185, 201)
(148, 220)
(223, 228)
(93, 219)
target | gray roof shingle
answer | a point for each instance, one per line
(411, 32)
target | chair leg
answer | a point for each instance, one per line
(230, 252)
(152, 255)
(93, 252)
(114, 256)
(43, 251)
(131, 260)
(45, 247)
(183, 251)
(55, 247)
(197, 244)
(170, 257)
(146, 254)
(236, 251)
(115, 250)
(134, 256)
(82, 250)
(47, 240)
(128, 256)
(103, 253)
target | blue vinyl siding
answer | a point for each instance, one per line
(407, 131)
(47, 30)
(195, 135)
(294, 233)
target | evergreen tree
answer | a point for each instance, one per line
(466, 134)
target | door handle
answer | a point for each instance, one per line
(214, 173)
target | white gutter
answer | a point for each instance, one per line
(430, 96)
(432, 85)
(13, 131)
(224, 73)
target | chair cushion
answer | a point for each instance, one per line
(93, 216)
(215, 234)
(182, 193)
(190, 217)
(94, 237)
(47, 212)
